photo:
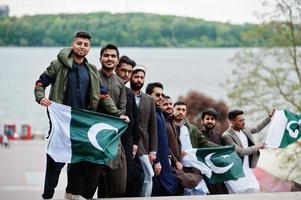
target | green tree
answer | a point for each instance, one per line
(131, 29)
(270, 77)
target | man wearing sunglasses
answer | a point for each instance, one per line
(164, 181)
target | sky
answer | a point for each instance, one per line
(233, 11)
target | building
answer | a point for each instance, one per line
(4, 11)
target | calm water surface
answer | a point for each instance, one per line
(179, 69)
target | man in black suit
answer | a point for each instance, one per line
(130, 138)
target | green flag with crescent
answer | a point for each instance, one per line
(79, 135)
(218, 164)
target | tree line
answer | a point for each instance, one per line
(127, 30)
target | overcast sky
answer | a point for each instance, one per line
(234, 11)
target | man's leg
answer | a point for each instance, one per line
(76, 173)
(53, 170)
(93, 174)
(104, 183)
(148, 174)
(119, 176)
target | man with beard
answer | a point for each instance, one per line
(190, 137)
(130, 138)
(172, 133)
(164, 181)
(187, 177)
(147, 129)
(74, 82)
(208, 118)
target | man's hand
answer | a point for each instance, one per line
(183, 153)
(157, 168)
(179, 165)
(152, 157)
(125, 118)
(260, 146)
(45, 102)
(272, 113)
(135, 148)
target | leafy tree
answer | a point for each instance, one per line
(270, 77)
(131, 29)
(197, 102)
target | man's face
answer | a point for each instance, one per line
(209, 122)
(180, 112)
(158, 96)
(167, 106)
(238, 123)
(125, 72)
(80, 47)
(137, 80)
(109, 59)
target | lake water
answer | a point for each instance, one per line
(179, 69)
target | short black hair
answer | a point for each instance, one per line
(126, 60)
(210, 112)
(150, 87)
(109, 46)
(167, 97)
(83, 34)
(234, 113)
(179, 103)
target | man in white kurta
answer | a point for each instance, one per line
(180, 112)
(248, 183)
(241, 137)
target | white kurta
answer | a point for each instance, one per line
(185, 138)
(201, 188)
(249, 181)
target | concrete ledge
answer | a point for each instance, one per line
(258, 196)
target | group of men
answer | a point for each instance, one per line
(150, 153)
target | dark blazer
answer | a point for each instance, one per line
(131, 136)
(166, 178)
(173, 140)
(229, 137)
(147, 125)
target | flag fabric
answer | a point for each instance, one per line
(284, 129)
(218, 164)
(80, 135)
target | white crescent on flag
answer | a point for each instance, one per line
(95, 129)
(214, 168)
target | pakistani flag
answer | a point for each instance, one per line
(79, 135)
(218, 164)
(285, 129)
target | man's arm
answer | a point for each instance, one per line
(152, 129)
(261, 125)
(228, 140)
(107, 103)
(45, 79)
(122, 100)
(264, 123)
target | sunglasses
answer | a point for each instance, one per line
(159, 94)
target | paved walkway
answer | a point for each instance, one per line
(22, 171)
(22, 167)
